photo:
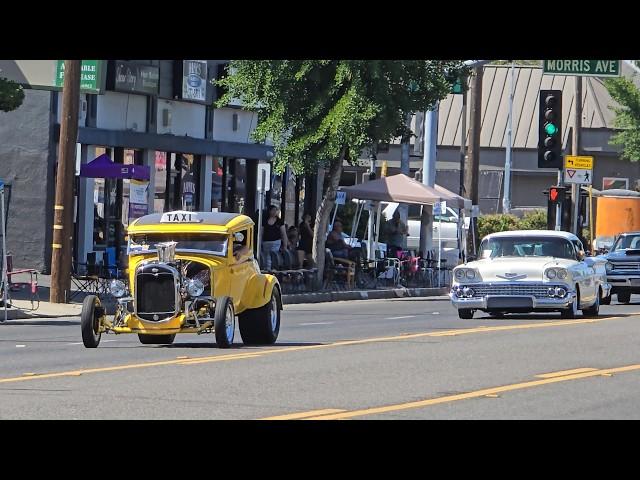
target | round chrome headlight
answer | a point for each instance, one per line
(562, 273)
(195, 287)
(551, 273)
(609, 266)
(471, 274)
(459, 274)
(117, 288)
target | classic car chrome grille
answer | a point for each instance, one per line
(155, 293)
(540, 291)
(626, 266)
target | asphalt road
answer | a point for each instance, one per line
(377, 359)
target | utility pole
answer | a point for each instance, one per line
(63, 207)
(405, 168)
(506, 197)
(473, 168)
(428, 176)
(463, 141)
(575, 150)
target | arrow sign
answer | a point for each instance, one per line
(571, 173)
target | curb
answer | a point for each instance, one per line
(425, 293)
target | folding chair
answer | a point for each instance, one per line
(85, 277)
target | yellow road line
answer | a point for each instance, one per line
(301, 415)
(256, 354)
(478, 393)
(562, 373)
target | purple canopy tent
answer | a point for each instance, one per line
(104, 167)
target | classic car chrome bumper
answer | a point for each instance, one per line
(630, 280)
(507, 296)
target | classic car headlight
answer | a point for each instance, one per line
(195, 287)
(552, 273)
(459, 274)
(117, 288)
(471, 274)
(609, 266)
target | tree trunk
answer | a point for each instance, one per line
(322, 216)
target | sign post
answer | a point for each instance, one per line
(5, 280)
(578, 170)
(439, 208)
(264, 172)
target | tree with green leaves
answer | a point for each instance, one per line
(11, 95)
(319, 113)
(624, 91)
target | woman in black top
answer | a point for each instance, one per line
(305, 246)
(274, 235)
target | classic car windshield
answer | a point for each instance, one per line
(527, 247)
(214, 243)
(626, 241)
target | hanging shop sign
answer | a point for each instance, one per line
(131, 77)
(194, 80)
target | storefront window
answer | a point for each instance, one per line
(160, 182)
(216, 184)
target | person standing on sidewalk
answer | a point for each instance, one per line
(305, 245)
(274, 235)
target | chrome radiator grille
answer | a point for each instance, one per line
(539, 291)
(626, 266)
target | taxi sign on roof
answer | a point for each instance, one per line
(180, 217)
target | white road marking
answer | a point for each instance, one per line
(435, 313)
(20, 346)
(315, 323)
(398, 318)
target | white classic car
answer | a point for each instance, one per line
(530, 271)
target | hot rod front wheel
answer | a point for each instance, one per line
(90, 321)
(260, 326)
(224, 322)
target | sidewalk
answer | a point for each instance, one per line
(73, 309)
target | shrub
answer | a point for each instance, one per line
(536, 220)
(496, 223)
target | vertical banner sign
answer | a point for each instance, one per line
(138, 204)
(194, 80)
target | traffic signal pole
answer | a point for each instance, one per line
(575, 149)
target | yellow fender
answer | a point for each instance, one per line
(258, 292)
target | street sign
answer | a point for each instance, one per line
(341, 198)
(440, 208)
(583, 68)
(578, 175)
(266, 168)
(578, 162)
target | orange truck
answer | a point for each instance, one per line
(617, 211)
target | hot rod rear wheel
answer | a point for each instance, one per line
(147, 339)
(260, 326)
(224, 322)
(465, 313)
(90, 321)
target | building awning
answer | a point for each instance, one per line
(104, 167)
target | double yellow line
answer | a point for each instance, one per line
(546, 379)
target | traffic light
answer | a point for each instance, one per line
(549, 129)
(557, 194)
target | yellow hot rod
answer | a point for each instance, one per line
(189, 272)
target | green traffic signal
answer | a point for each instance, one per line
(550, 128)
